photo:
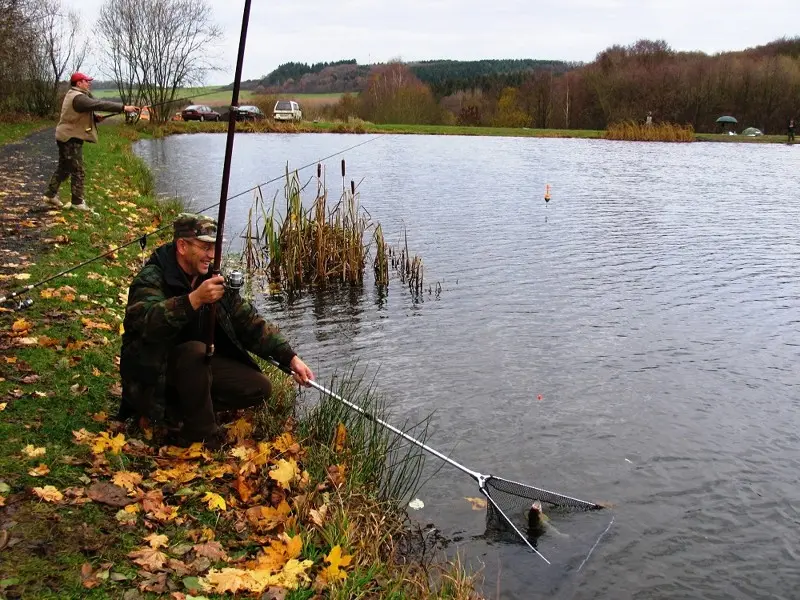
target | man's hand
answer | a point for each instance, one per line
(129, 108)
(211, 290)
(300, 371)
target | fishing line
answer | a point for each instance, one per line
(142, 239)
(595, 543)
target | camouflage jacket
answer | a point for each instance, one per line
(159, 316)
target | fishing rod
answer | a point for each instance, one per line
(226, 172)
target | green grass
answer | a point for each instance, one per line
(12, 131)
(724, 137)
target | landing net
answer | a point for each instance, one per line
(572, 530)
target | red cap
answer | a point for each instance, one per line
(76, 77)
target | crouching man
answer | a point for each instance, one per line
(162, 363)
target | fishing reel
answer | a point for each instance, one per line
(234, 280)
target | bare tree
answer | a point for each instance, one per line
(59, 49)
(153, 47)
(38, 42)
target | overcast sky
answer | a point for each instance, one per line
(576, 30)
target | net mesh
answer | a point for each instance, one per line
(515, 500)
(570, 534)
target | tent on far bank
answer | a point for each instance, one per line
(726, 123)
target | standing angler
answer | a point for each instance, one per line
(77, 124)
(163, 360)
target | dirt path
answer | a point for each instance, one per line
(25, 168)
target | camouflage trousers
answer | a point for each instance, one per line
(70, 164)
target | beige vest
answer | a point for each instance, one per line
(74, 124)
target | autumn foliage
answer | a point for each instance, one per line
(759, 86)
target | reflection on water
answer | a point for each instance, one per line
(653, 305)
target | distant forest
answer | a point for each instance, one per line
(759, 86)
(443, 76)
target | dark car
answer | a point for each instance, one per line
(198, 112)
(249, 113)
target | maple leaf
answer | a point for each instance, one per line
(21, 325)
(3, 405)
(283, 442)
(243, 488)
(228, 580)
(48, 493)
(318, 516)
(333, 571)
(103, 441)
(214, 501)
(477, 503)
(157, 540)
(149, 558)
(127, 479)
(285, 472)
(31, 451)
(240, 430)
(293, 572)
(265, 518)
(217, 470)
(2, 500)
(39, 471)
(100, 417)
(340, 438)
(89, 324)
(279, 552)
(242, 452)
(211, 550)
(82, 436)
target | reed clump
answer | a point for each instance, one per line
(657, 132)
(313, 246)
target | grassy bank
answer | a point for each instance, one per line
(88, 509)
(361, 127)
(14, 130)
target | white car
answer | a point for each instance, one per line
(287, 110)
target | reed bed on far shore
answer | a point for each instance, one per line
(657, 132)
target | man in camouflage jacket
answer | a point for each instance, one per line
(163, 364)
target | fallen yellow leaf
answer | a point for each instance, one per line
(48, 493)
(157, 540)
(285, 472)
(39, 471)
(21, 325)
(333, 571)
(127, 479)
(214, 501)
(104, 442)
(33, 452)
(340, 438)
(477, 503)
(149, 558)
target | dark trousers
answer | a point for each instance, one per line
(70, 164)
(201, 389)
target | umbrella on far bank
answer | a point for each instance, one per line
(727, 119)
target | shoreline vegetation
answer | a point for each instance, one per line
(298, 506)
(356, 126)
(16, 129)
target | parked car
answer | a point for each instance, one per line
(199, 112)
(287, 110)
(249, 112)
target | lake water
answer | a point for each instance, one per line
(654, 304)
